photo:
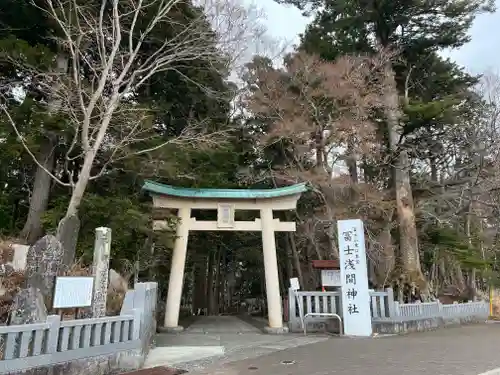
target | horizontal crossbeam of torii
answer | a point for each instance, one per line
(226, 202)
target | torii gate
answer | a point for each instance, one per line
(225, 201)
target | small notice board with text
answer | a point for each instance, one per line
(73, 292)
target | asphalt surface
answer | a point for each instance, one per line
(215, 340)
(467, 350)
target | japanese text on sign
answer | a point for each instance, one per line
(351, 260)
(355, 294)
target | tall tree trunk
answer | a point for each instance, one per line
(32, 229)
(408, 239)
(406, 218)
(385, 262)
(296, 259)
(455, 270)
(320, 148)
(152, 264)
(456, 273)
(289, 265)
(215, 309)
(471, 281)
(352, 165)
(210, 284)
(282, 273)
(221, 281)
(263, 293)
(200, 282)
(39, 200)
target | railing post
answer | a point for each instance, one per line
(53, 337)
(128, 303)
(292, 317)
(136, 327)
(440, 309)
(291, 303)
(155, 303)
(390, 302)
(140, 290)
(397, 311)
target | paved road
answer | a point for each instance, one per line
(219, 339)
(468, 350)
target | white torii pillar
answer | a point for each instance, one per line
(274, 301)
(176, 279)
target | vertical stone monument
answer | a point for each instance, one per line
(100, 269)
(43, 264)
(67, 233)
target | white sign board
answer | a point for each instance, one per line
(73, 291)
(331, 278)
(225, 216)
(354, 277)
(294, 284)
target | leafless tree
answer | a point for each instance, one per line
(321, 113)
(103, 44)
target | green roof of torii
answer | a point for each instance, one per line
(161, 189)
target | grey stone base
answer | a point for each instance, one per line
(420, 325)
(116, 363)
(391, 325)
(276, 331)
(177, 329)
(320, 325)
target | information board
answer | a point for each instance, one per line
(331, 278)
(354, 278)
(294, 284)
(73, 292)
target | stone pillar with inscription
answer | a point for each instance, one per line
(354, 277)
(43, 264)
(100, 269)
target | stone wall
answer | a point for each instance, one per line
(394, 326)
(112, 364)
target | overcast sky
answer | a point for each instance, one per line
(481, 54)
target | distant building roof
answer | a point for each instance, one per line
(161, 189)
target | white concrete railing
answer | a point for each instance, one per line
(437, 309)
(415, 310)
(481, 308)
(381, 303)
(42, 344)
(28, 346)
(382, 306)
